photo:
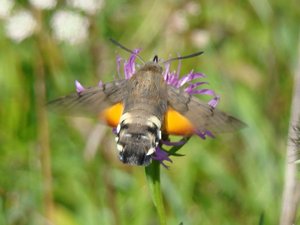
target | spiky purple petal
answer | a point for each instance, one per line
(214, 102)
(208, 133)
(191, 76)
(167, 71)
(114, 130)
(194, 86)
(203, 134)
(203, 92)
(129, 66)
(79, 87)
(161, 156)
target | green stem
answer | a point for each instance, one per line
(153, 178)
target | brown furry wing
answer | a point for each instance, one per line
(90, 101)
(200, 114)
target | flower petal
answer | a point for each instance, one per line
(193, 86)
(203, 92)
(114, 130)
(191, 76)
(129, 66)
(208, 133)
(167, 71)
(203, 134)
(214, 102)
(79, 87)
(161, 156)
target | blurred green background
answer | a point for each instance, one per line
(66, 169)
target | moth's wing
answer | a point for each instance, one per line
(192, 114)
(103, 101)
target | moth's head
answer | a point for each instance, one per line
(136, 142)
(134, 152)
(153, 66)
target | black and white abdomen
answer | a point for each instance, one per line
(137, 138)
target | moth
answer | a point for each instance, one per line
(145, 108)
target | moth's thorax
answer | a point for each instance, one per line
(147, 91)
(138, 132)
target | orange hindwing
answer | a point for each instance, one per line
(175, 123)
(111, 116)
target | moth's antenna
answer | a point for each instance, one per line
(183, 57)
(126, 49)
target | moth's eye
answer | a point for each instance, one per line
(152, 130)
(125, 126)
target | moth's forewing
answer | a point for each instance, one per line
(99, 101)
(200, 114)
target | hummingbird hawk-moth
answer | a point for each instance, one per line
(143, 109)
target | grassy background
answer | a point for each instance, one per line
(250, 58)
